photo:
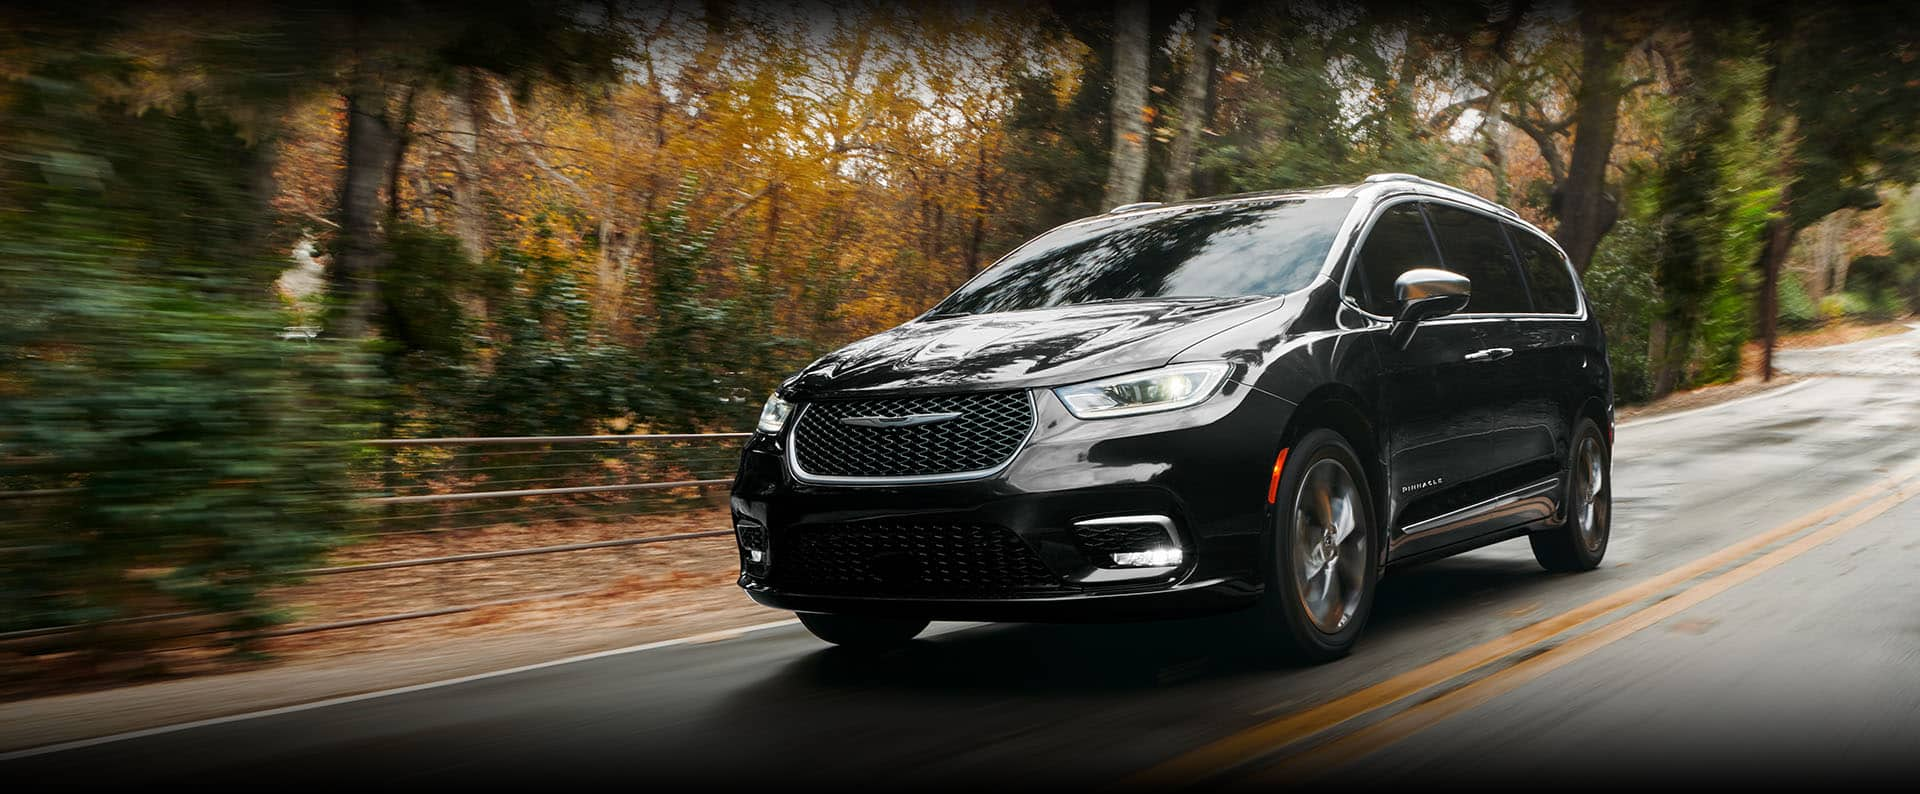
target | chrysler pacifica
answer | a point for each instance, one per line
(1262, 400)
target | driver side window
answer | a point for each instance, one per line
(1398, 242)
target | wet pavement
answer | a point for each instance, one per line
(1802, 663)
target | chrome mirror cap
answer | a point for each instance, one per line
(1428, 282)
(1426, 293)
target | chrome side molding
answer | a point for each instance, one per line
(1504, 501)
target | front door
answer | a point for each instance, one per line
(1445, 410)
(1438, 406)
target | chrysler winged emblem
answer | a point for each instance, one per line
(910, 420)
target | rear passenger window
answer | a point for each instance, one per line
(1398, 242)
(1547, 273)
(1473, 245)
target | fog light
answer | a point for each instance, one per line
(1129, 542)
(1151, 558)
(753, 541)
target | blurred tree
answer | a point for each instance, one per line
(1057, 150)
(380, 58)
(179, 448)
(1713, 190)
(1195, 86)
(1903, 242)
(1564, 91)
(1288, 112)
(1581, 201)
(1130, 114)
(1841, 88)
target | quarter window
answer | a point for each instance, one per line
(1473, 245)
(1398, 242)
(1548, 275)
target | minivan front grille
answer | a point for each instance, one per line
(934, 435)
(890, 558)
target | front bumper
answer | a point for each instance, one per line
(1162, 601)
(1205, 467)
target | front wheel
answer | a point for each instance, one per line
(1581, 541)
(855, 631)
(1321, 561)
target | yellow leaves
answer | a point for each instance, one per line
(854, 164)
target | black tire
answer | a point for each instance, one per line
(1580, 542)
(1295, 630)
(857, 631)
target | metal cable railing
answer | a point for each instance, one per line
(420, 486)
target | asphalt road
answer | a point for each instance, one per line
(1757, 620)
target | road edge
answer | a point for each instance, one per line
(692, 639)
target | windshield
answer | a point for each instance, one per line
(1207, 251)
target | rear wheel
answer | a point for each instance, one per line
(1581, 542)
(1322, 563)
(856, 631)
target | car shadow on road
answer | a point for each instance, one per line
(1069, 659)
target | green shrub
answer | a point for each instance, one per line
(1625, 298)
(1724, 329)
(180, 446)
(1844, 305)
(1886, 306)
(1797, 311)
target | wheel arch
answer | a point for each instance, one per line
(1593, 407)
(1340, 408)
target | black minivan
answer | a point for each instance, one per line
(1255, 400)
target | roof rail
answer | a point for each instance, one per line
(1138, 205)
(1397, 177)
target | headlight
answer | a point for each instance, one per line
(773, 415)
(1144, 392)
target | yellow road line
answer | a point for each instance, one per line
(1219, 756)
(1378, 736)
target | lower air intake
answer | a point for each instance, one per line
(903, 559)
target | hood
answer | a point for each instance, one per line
(1043, 347)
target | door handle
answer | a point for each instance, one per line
(1490, 354)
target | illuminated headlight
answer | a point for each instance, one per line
(1162, 389)
(773, 415)
(1151, 558)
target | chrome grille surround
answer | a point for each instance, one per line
(991, 431)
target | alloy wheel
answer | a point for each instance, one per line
(1589, 481)
(1330, 548)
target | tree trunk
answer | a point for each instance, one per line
(1773, 256)
(1832, 257)
(1659, 351)
(469, 124)
(1193, 101)
(354, 276)
(1672, 349)
(978, 234)
(402, 137)
(1585, 209)
(1493, 134)
(1127, 168)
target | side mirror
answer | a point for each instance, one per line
(1425, 293)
